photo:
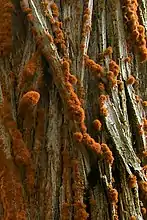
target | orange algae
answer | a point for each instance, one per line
(6, 27)
(29, 100)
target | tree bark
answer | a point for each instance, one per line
(73, 127)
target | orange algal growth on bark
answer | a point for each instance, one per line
(110, 74)
(103, 111)
(86, 27)
(59, 39)
(145, 124)
(30, 17)
(137, 98)
(113, 195)
(132, 181)
(131, 80)
(29, 69)
(97, 124)
(78, 136)
(102, 100)
(90, 142)
(94, 67)
(114, 67)
(143, 210)
(128, 59)
(108, 51)
(66, 70)
(49, 37)
(29, 100)
(12, 196)
(107, 153)
(27, 10)
(65, 211)
(31, 66)
(137, 31)
(20, 150)
(144, 154)
(132, 217)
(72, 79)
(144, 169)
(5, 27)
(32, 97)
(54, 9)
(144, 103)
(30, 178)
(76, 113)
(11, 192)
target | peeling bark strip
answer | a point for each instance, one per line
(73, 127)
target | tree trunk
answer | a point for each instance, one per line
(73, 127)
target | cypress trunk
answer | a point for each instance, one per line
(73, 126)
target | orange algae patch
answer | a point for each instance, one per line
(29, 69)
(54, 9)
(143, 210)
(128, 59)
(11, 189)
(114, 67)
(113, 195)
(137, 31)
(20, 150)
(132, 217)
(11, 197)
(29, 100)
(131, 80)
(144, 103)
(107, 154)
(103, 111)
(57, 28)
(90, 142)
(5, 27)
(108, 51)
(78, 136)
(94, 67)
(102, 99)
(32, 97)
(72, 79)
(132, 181)
(97, 124)
(86, 27)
